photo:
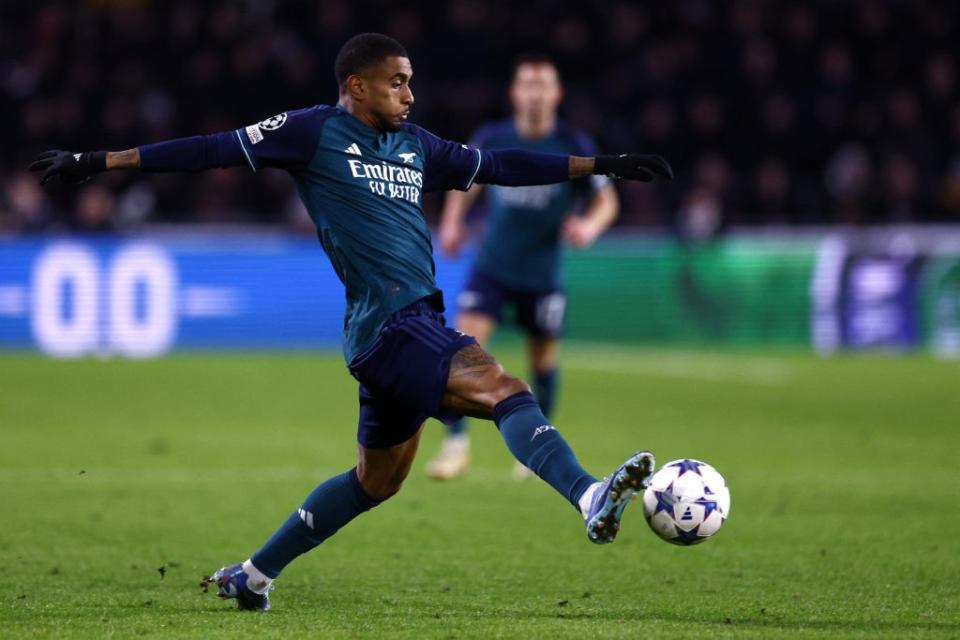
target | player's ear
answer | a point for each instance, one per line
(356, 87)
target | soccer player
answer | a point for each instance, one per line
(518, 263)
(360, 170)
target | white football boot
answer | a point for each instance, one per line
(453, 459)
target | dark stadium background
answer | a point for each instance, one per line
(773, 113)
(786, 310)
(816, 147)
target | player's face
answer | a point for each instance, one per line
(536, 91)
(389, 97)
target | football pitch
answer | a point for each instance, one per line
(123, 483)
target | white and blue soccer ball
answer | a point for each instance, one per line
(686, 502)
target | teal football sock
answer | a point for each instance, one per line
(540, 447)
(328, 507)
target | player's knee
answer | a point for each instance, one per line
(383, 490)
(381, 483)
(508, 385)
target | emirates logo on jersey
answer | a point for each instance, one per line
(388, 180)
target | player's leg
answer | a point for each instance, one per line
(480, 305)
(382, 470)
(541, 316)
(542, 355)
(479, 386)
(454, 455)
(543, 351)
(544, 324)
(378, 475)
(388, 439)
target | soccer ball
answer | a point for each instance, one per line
(687, 502)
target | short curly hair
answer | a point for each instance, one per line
(362, 51)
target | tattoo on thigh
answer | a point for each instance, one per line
(469, 359)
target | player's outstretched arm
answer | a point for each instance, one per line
(449, 165)
(517, 167)
(196, 153)
(70, 167)
(626, 166)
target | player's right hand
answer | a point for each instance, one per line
(633, 166)
(70, 167)
(452, 237)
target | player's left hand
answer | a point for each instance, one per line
(580, 232)
(633, 166)
(72, 168)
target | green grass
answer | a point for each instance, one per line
(843, 472)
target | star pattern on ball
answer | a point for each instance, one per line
(709, 506)
(687, 465)
(689, 537)
(665, 499)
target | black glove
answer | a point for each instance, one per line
(73, 168)
(633, 166)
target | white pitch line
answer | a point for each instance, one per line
(676, 364)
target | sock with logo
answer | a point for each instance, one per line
(545, 389)
(539, 446)
(328, 507)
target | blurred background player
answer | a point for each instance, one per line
(519, 258)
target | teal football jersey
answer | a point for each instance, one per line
(522, 246)
(364, 191)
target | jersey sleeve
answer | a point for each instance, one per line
(447, 165)
(195, 153)
(287, 140)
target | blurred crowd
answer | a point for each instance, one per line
(771, 113)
